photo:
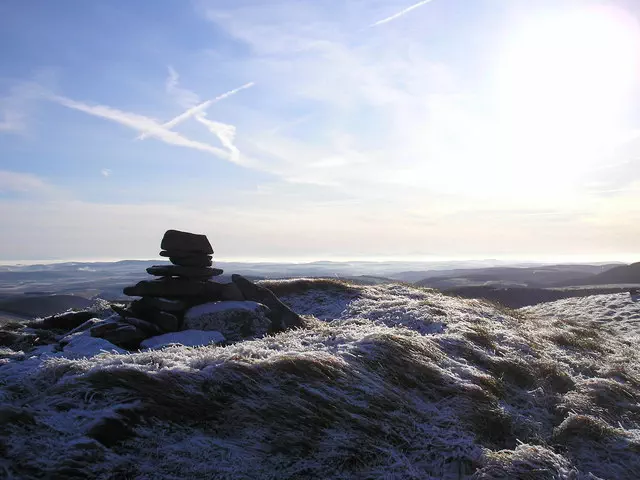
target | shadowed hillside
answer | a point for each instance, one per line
(386, 381)
(629, 274)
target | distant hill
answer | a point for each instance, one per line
(538, 276)
(625, 274)
(42, 305)
(517, 297)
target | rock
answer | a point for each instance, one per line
(282, 317)
(188, 338)
(122, 311)
(231, 291)
(121, 334)
(63, 321)
(84, 344)
(185, 241)
(166, 321)
(9, 338)
(102, 327)
(147, 327)
(92, 322)
(174, 287)
(234, 320)
(192, 261)
(182, 271)
(146, 304)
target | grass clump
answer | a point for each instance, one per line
(303, 285)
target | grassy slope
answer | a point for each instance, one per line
(402, 383)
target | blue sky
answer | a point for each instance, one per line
(335, 129)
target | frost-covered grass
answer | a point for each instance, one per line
(387, 382)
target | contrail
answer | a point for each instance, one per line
(198, 109)
(400, 13)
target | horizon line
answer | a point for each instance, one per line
(540, 259)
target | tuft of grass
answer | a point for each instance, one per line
(526, 462)
(481, 336)
(513, 370)
(493, 426)
(303, 285)
(580, 427)
(570, 339)
(552, 375)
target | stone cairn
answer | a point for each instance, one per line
(185, 297)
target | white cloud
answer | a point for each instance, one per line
(400, 13)
(16, 105)
(12, 121)
(141, 124)
(272, 226)
(225, 133)
(181, 94)
(20, 182)
(105, 172)
(28, 184)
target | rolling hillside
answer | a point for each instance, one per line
(385, 382)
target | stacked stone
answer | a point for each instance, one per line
(184, 297)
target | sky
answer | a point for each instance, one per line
(317, 130)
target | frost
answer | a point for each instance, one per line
(82, 344)
(187, 338)
(393, 382)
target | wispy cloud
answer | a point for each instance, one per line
(14, 106)
(400, 13)
(12, 121)
(186, 98)
(225, 133)
(197, 109)
(20, 182)
(141, 124)
(105, 172)
(27, 184)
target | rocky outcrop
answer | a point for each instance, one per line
(182, 271)
(235, 320)
(281, 316)
(62, 321)
(184, 297)
(170, 287)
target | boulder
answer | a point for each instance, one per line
(102, 327)
(188, 338)
(185, 241)
(234, 320)
(174, 287)
(281, 316)
(192, 261)
(147, 327)
(122, 311)
(230, 291)
(182, 271)
(62, 321)
(83, 344)
(121, 334)
(146, 304)
(92, 322)
(166, 321)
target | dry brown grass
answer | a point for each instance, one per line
(303, 285)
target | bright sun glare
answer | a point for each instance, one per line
(564, 85)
